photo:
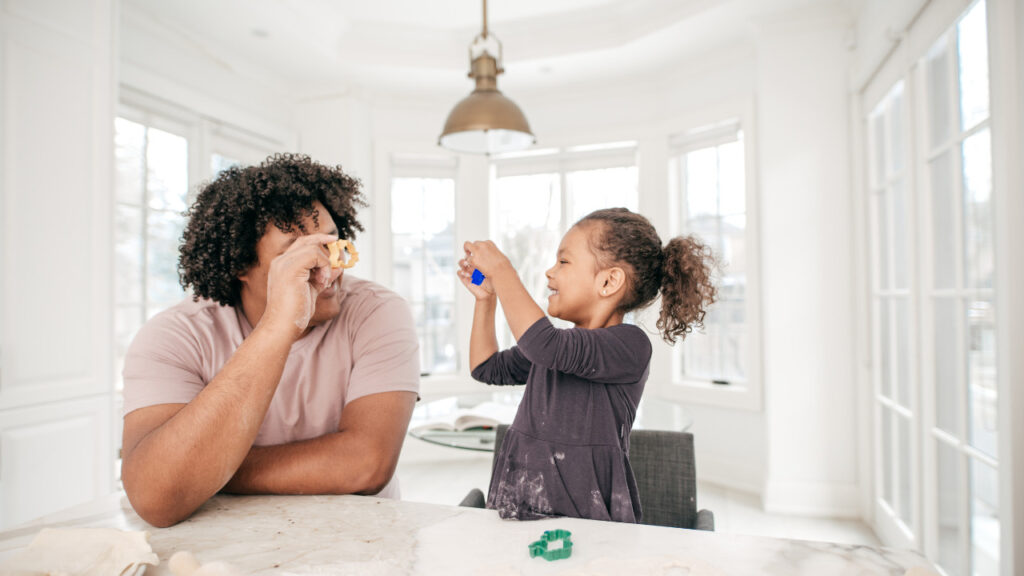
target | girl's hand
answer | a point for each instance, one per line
(485, 257)
(483, 291)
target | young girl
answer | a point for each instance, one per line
(567, 452)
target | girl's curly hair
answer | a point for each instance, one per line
(682, 271)
(232, 212)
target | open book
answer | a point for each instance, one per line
(485, 415)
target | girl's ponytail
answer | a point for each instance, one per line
(687, 287)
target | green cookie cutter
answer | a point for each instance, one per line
(540, 547)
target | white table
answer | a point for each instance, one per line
(366, 535)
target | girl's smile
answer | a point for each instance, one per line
(572, 279)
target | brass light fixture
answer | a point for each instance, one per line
(486, 122)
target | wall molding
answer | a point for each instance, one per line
(729, 473)
(813, 499)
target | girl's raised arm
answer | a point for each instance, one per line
(483, 342)
(520, 309)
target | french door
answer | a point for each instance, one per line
(933, 316)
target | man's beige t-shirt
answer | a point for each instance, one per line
(370, 347)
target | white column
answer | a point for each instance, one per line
(807, 268)
(338, 130)
(653, 197)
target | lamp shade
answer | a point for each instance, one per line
(486, 122)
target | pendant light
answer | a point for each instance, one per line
(486, 122)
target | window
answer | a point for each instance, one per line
(709, 184)
(424, 256)
(160, 152)
(962, 431)
(151, 196)
(934, 321)
(536, 197)
(220, 163)
(892, 308)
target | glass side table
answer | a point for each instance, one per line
(653, 414)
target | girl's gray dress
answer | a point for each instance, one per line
(567, 452)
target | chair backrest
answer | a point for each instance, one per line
(499, 436)
(666, 478)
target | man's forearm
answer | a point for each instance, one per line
(177, 466)
(330, 464)
(358, 459)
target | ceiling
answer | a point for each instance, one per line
(321, 46)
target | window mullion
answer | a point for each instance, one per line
(956, 159)
(563, 196)
(915, 310)
(144, 227)
(423, 275)
(720, 241)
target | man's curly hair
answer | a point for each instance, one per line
(232, 212)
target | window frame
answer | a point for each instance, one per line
(879, 183)
(741, 113)
(561, 161)
(173, 124)
(469, 173)
(439, 167)
(202, 135)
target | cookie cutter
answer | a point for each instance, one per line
(343, 254)
(540, 547)
(478, 277)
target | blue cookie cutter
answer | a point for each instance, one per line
(477, 278)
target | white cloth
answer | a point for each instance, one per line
(83, 552)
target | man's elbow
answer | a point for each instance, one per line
(158, 507)
(157, 513)
(376, 475)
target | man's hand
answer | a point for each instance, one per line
(296, 278)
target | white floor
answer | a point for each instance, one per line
(447, 481)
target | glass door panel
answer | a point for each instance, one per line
(950, 504)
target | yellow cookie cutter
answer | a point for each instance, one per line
(340, 247)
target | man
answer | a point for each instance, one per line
(281, 375)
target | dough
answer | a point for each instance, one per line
(184, 563)
(83, 552)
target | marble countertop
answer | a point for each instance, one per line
(366, 536)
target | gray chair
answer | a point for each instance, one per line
(475, 498)
(666, 478)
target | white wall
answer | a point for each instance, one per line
(809, 286)
(57, 93)
(167, 67)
